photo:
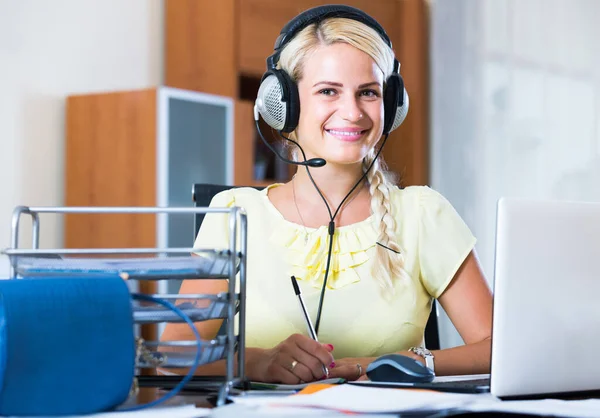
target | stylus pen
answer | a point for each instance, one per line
(309, 325)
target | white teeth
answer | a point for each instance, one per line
(344, 132)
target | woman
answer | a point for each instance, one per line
(393, 251)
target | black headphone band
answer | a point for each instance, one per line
(318, 14)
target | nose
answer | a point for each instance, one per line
(351, 110)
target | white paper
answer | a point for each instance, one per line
(554, 407)
(365, 399)
(362, 399)
(278, 386)
(247, 411)
(182, 411)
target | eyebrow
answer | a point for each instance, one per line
(333, 83)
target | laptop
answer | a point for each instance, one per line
(546, 319)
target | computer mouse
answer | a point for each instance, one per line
(398, 368)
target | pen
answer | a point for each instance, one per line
(309, 325)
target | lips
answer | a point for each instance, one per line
(347, 134)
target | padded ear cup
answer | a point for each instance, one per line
(401, 111)
(395, 106)
(277, 101)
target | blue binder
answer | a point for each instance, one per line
(66, 345)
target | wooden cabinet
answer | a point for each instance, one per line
(221, 48)
(147, 148)
(261, 21)
(110, 147)
(200, 46)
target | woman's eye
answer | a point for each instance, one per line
(370, 93)
(327, 92)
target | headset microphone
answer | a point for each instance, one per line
(313, 162)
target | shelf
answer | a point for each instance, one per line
(181, 354)
(85, 262)
(196, 307)
(209, 264)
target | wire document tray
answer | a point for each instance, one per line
(144, 264)
(180, 354)
(197, 307)
(211, 263)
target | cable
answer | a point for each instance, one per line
(190, 374)
(313, 162)
(331, 226)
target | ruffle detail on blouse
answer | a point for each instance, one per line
(306, 252)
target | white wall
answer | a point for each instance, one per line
(49, 50)
(516, 107)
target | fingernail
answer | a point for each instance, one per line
(329, 346)
(332, 365)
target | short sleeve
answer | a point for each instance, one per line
(445, 241)
(214, 230)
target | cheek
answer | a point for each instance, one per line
(314, 114)
(376, 113)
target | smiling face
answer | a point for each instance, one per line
(341, 105)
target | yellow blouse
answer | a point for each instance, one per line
(357, 319)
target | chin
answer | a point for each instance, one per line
(347, 153)
(345, 159)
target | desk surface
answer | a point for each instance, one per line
(205, 400)
(147, 395)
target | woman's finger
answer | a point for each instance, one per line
(281, 369)
(314, 365)
(302, 371)
(286, 369)
(313, 355)
(348, 371)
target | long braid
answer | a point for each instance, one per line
(388, 264)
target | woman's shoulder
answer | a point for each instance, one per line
(252, 199)
(247, 192)
(416, 196)
(237, 194)
(420, 203)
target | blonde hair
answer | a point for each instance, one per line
(389, 262)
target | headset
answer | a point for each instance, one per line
(278, 102)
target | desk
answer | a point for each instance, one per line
(147, 395)
(237, 411)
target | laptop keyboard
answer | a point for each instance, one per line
(477, 385)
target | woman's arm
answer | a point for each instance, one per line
(468, 302)
(297, 358)
(207, 329)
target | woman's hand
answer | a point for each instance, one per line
(355, 368)
(296, 359)
(351, 368)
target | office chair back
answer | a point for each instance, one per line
(202, 194)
